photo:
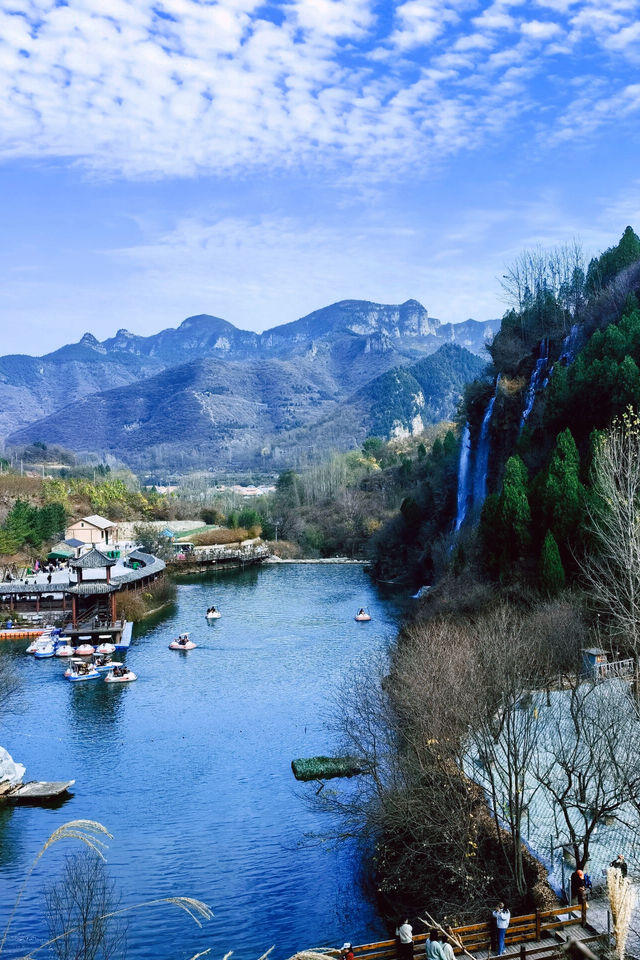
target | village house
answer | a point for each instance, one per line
(94, 531)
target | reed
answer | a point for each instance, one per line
(622, 901)
(90, 833)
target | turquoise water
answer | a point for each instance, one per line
(189, 767)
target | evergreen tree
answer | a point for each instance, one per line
(563, 491)
(552, 576)
(514, 513)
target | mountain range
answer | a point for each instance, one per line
(207, 393)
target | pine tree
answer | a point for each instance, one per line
(563, 492)
(552, 576)
(514, 512)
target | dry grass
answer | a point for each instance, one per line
(213, 538)
(285, 549)
(13, 485)
(134, 605)
(622, 901)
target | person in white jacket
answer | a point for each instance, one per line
(404, 933)
(502, 917)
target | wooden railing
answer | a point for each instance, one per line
(477, 936)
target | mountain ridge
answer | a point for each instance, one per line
(338, 349)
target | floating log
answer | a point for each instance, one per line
(36, 791)
(325, 768)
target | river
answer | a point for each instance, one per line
(189, 767)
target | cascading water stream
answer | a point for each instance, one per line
(569, 345)
(464, 476)
(481, 467)
(536, 380)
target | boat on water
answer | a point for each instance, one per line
(44, 648)
(104, 662)
(42, 637)
(362, 616)
(85, 650)
(182, 643)
(81, 670)
(120, 674)
(213, 614)
(106, 647)
(64, 648)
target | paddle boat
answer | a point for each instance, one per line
(85, 650)
(362, 616)
(45, 647)
(64, 648)
(81, 670)
(103, 662)
(46, 634)
(182, 643)
(213, 614)
(106, 647)
(120, 674)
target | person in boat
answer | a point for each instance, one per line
(361, 612)
(183, 639)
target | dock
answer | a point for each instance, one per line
(36, 791)
(20, 634)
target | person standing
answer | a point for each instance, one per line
(404, 933)
(620, 864)
(447, 944)
(433, 948)
(502, 918)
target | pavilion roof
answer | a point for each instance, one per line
(92, 560)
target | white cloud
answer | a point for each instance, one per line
(137, 88)
(540, 30)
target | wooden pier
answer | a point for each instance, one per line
(35, 791)
(538, 935)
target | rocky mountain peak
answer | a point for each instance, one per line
(88, 340)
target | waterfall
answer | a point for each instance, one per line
(569, 344)
(464, 476)
(536, 380)
(482, 455)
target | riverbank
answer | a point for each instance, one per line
(342, 560)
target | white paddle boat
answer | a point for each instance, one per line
(213, 614)
(85, 650)
(106, 647)
(182, 643)
(64, 648)
(45, 647)
(362, 616)
(120, 674)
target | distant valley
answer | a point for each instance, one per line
(207, 393)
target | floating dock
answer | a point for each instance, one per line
(20, 634)
(36, 791)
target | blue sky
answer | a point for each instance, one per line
(259, 160)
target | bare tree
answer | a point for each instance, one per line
(588, 760)
(612, 568)
(80, 902)
(505, 729)
(538, 276)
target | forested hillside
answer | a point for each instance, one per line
(520, 486)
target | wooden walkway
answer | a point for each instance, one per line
(537, 935)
